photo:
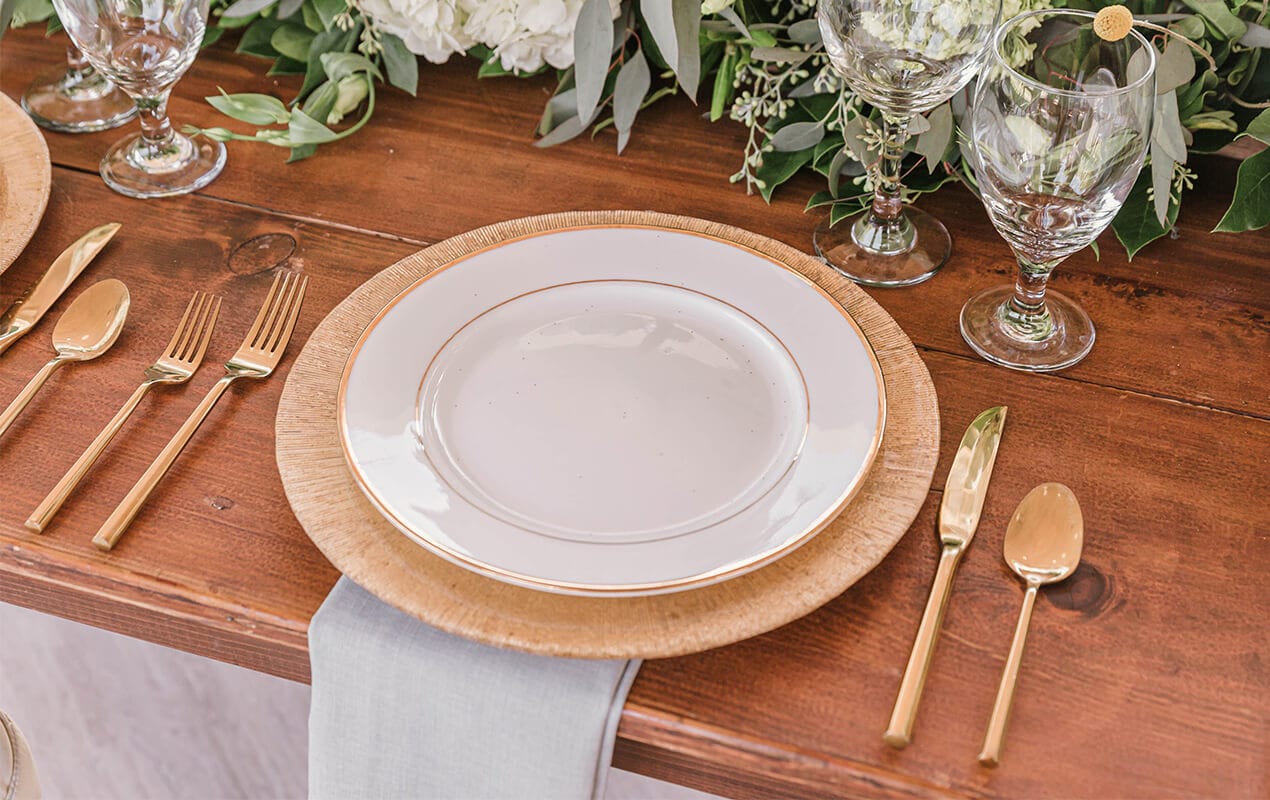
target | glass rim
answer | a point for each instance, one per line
(999, 38)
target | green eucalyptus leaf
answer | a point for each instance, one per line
(563, 132)
(341, 65)
(844, 210)
(1167, 132)
(321, 101)
(1259, 128)
(401, 64)
(561, 106)
(932, 144)
(25, 12)
(779, 55)
(1161, 182)
(210, 36)
(286, 8)
(1256, 36)
(805, 31)
(245, 8)
(632, 84)
(675, 27)
(332, 41)
(818, 200)
(304, 129)
(288, 66)
(292, 41)
(729, 13)
(1136, 225)
(798, 136)
(1250, 208)
(592, 44)
(256, 39)
(301, 152)
(840, 161)
(779, 167)
(1219, 15)
(918, 125)
(328, 10)
(1175, 67)
(254, 109)
(312, 20)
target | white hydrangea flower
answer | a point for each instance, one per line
(430, 28)
(526, 34)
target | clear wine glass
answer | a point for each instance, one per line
(75, 98)
(144, 47)
(1060, 124)
(904, 57)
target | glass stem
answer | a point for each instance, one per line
(888, 198)
(1025, 314)
(156, 130)
(75, 60)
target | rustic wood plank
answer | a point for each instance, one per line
(1145, 674)
(461, 157)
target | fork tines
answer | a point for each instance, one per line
(189, 341)
(273, 326)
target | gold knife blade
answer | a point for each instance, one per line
(27, 310)
(958, 518)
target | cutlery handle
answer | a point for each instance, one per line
(20, 402)
(899, 733)
(49, 506)
(115, 525)
(995, 737)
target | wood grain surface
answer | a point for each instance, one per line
(1145, 676)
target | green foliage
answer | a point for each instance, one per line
(762, 65)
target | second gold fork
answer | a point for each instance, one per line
(177, 364)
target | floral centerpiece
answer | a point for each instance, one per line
(757, 63)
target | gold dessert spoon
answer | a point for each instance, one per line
(1042, 546)
(88, 328)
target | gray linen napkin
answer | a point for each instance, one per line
(402, 710)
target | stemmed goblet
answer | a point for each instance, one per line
(1060, 125)
(75, 98)
(904, 57)
(145, 48)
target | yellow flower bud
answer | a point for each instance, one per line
(1113, 23)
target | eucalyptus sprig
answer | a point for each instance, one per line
(333, 45)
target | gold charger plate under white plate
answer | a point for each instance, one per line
(348, 529)
(26, 175)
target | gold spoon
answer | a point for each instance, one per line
(86, 330)
(1042, 545)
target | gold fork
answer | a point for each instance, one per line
(258, 356)
(178, 363)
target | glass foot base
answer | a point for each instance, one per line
(985, 328)
(133, 168)
(71, 101)
(931, 246)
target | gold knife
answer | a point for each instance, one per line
(958, 518)
(28, 309)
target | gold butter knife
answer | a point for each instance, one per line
(27, 310)
(958, 518)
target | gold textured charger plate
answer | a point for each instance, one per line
(348, 530)
(25, 178)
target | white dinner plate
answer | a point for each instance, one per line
(611, 410)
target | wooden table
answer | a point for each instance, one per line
(1147, 674)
